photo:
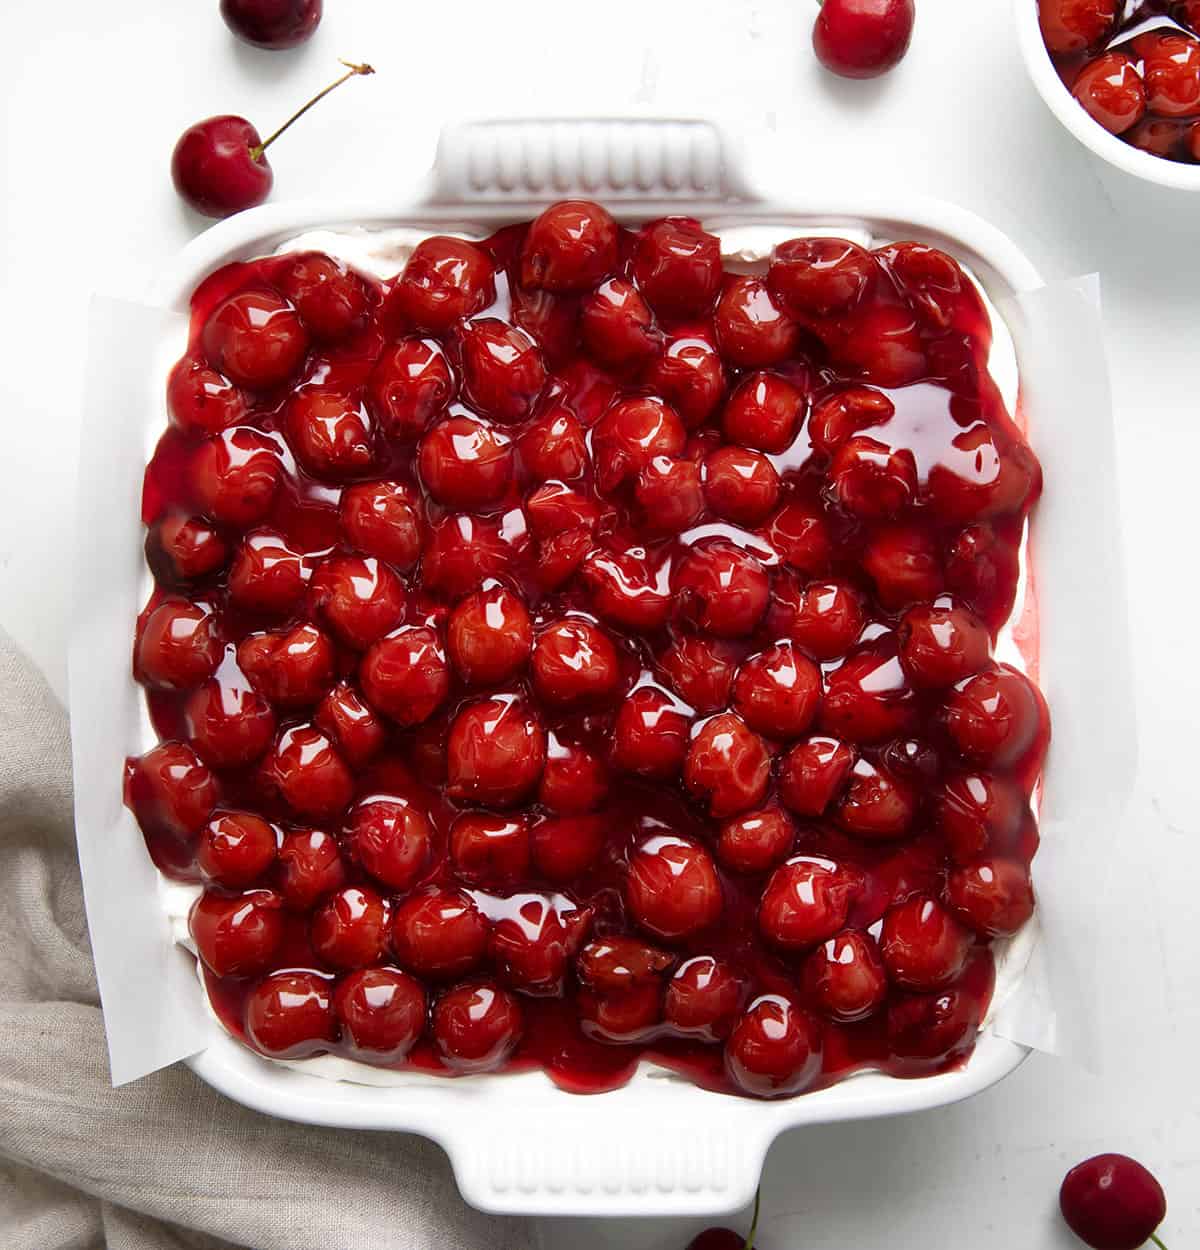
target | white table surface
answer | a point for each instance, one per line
(94, 97)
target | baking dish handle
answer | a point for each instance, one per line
(627, 160)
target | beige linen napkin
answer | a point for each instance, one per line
(165, 1162)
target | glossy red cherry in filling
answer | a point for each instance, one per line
(722, 588)
(1171, 69)
(289, 1015)
(228, 723)
(349, 929)
(677, 265)
(868, 696)
(533, 942)
(291, 668)
(445, 280)
(490, 849)
(628, 1016)
(181, 549)
(308, 773)
(381, 1012)
(629, 435)
(923, 946)
(799, 535)
(1076, 25)
(689, 375)
(489, 636)
(272, 24)
(625, 590)
(476, 1026)
(255, 339)
(993, 896)
(236, 934)
(553, 447)
(170, 790)
(777, 692)
(465, 463)
(932, 1026)
(875, 805)
(234, 475)
(872, 481)
(845, 413)
(309, 867)
(863, 38)
(495, 752)
(904, 562)
(619, 963)
(817, 277)
(670, 494)
(408, 386)
(179, 645)
(941, 644)
(236, 849)
(329, 432)
(575, 778)
(700, 670)
(825, 619)
(330, 297)
(812, 774)
(671, 888)
(727, 766)
(571, 247)
(391, 839)
(463, 551)
(200, 400)
(574, 661)
(267, 576)
(703, 998)
(755, 841)
(353, 727)
(740, 485)
(503, 371)
(764, 412)
(806, 901)
(405, 675)
(616, 327)
(1112, 1202)
(844, 977)
(978, 814)
(439, 934)
(774, 1049)
(752, 330)
(650, 734)
(993, 717)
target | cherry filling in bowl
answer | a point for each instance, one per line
(571, 652)
(1134, 67)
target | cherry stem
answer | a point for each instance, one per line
(1158, 1241)
(352, 71)
(754, 1222)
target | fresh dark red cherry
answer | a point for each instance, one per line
(235, 849)
(774, 1049)
(1076, 25)
(439, 934)
(272, 24)
(570, 248)
(381, 1012)
(727, 766)
(672, 889)
(726, 1238)
(677, 265)
(1112, 1202)
(239, 934)
(391, 839)
(289, 1015)
(476, 1026)
(219, 165)
(863, 38)
(490, 849)
(349, 929)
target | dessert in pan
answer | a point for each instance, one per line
(571, 651)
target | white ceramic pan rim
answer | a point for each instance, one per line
(658, 1146)
(1091, 134)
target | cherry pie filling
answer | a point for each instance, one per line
(1134, 66)
(571, 652)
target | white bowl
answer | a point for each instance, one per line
(657, 1146)
(1091, 134)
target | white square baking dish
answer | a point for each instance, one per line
(658, 1146)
